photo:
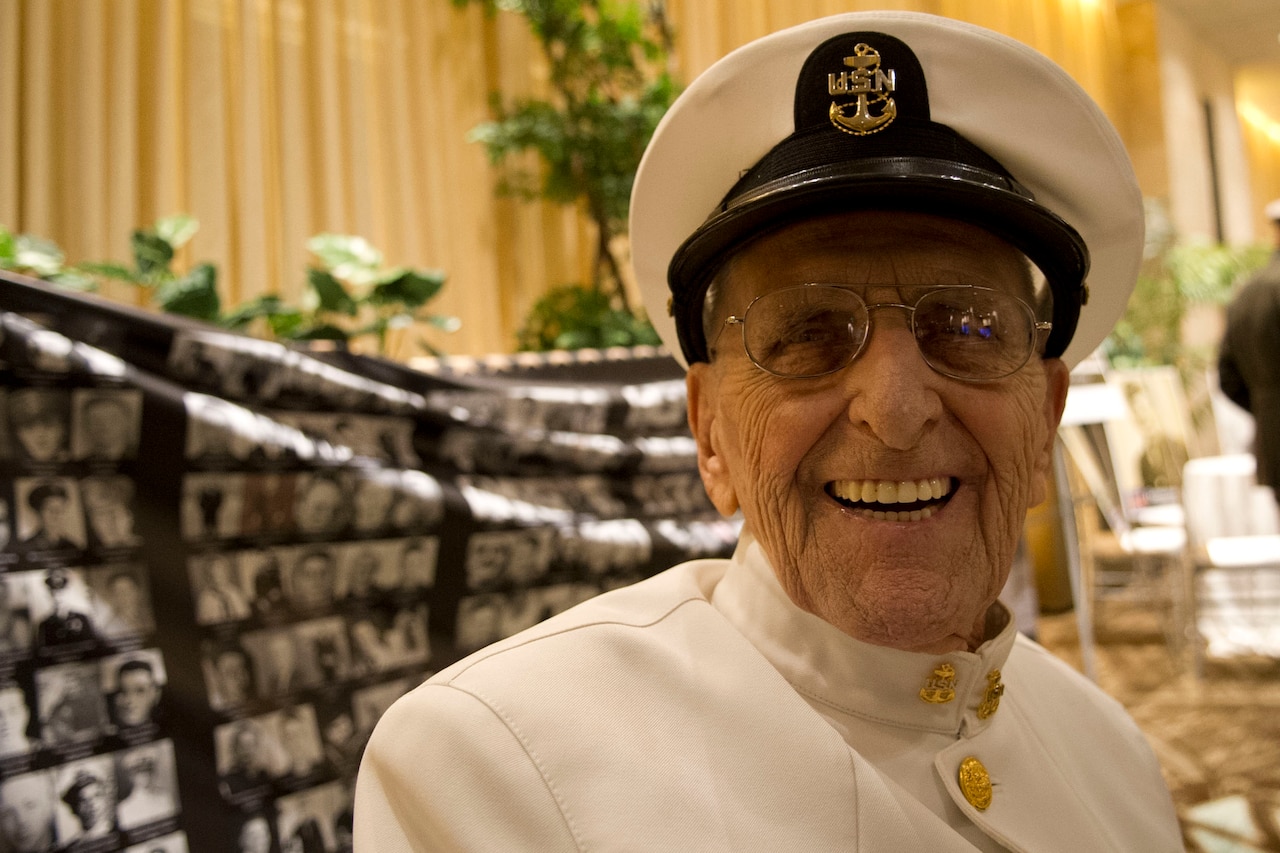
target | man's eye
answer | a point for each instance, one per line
(814, 329)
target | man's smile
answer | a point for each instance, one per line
(893, 500)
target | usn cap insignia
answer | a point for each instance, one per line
(870, 87)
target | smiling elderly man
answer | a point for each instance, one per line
(875, 232)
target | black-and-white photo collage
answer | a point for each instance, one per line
(223, 558)
(87, 761)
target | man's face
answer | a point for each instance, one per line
(43, 439)
(107, 429)
(313, 581)
(95, 805)
(782, 449)
(26, 813)
(317, 508)
(53, 514)
(14, 717)
(125, 597)
(136, 697)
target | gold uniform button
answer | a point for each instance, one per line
(975, 783)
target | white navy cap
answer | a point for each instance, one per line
(896, 111)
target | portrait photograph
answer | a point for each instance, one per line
(121, 596)
(61, 610)
(309, 820)
(386, 637)
(229, 674)
(311, 577)
(15, 614)
(216, 587)
(321, 506)
(28, 813)
(134, 685)
(247, 757)
(50, 516)
(87, 799)
(109, 512)
(106, 423)
(71, 706)
(299, 737)
(40, 425)
(277, 662)
(148, 784)
(324, 651)
(17, 722)
(212, 506)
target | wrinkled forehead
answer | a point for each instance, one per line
(889, 253)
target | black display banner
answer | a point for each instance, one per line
(221, 558)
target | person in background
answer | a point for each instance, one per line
(871, 239)
(1249, 357)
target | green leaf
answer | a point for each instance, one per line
(286, 324)
(347, 257)
(37, 256)
(267, 305)
(321, 332)
(332, 295)
(111, 270)
(442, 322)
(176, 230)
(70, 279)
(152, 254)
(410, 288)
(193, 295)
(8, 248)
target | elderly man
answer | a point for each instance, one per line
(875, 229)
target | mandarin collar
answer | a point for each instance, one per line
(936, 693)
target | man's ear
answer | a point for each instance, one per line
(700, 385)
(1057, 381)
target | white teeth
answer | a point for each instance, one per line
(892, 491)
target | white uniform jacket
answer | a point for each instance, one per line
(700, 710)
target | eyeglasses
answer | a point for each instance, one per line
(970, 333)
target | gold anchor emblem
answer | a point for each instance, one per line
(871, 88)
(991, 699)
(940, 688)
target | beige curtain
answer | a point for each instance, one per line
(273, 120)
(1258, 104)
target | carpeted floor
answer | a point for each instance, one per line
(1217, 737)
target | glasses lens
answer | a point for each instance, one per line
(974, 332)
(805, 331)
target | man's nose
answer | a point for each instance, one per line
(893, 391)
